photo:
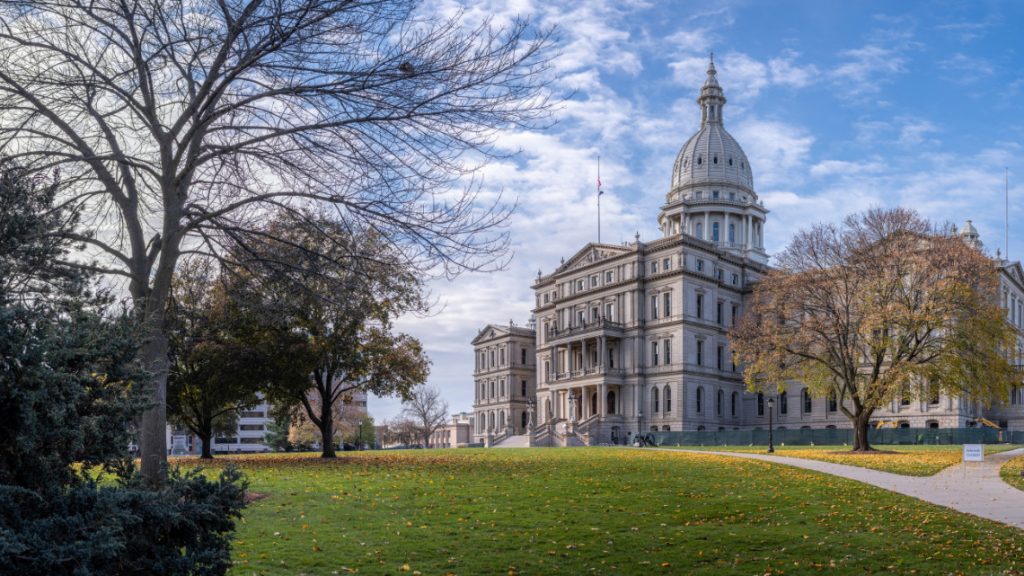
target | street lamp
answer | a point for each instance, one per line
(771, 440)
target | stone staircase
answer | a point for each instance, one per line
(520, 441)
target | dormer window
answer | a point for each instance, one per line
(716, 159)
(699, 160)
(730, 161)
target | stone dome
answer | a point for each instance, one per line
(712, 156)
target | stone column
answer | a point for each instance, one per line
(602, 399)
(583, 354)
(707, 226)
(747, 233)
(603, 357)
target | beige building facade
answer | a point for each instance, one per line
(505, 380)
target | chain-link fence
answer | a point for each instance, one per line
(838, 437)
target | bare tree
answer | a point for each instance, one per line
(427, 410)
(886, 306)
(178, 123)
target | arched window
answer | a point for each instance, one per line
(833, 405)
(523, 419)
(654, 401)
(492, 389)
(720, 402)
(714, 231)
(501, 420)
(700, 399)
(806, 398)
(700, 230)
(735, 399)
(547, 409)
(611, 402)
(668, 399)
(732, 233)
(783, 403)
(666, 428)
(490, 421)
(760, 404)
(502, 389)
(593, 403)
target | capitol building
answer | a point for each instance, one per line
(632, 338)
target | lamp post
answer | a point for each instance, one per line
(771, 440)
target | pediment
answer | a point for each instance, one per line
(489, 332)
(590, 254)
(1015, 272)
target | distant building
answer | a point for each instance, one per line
(456, 433)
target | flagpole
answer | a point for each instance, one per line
(599, 199)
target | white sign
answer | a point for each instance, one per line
(974, 453)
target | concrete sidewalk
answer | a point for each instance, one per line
(976, 490)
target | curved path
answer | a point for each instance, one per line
(976, 489)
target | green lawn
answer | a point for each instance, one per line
(918, 460)
(1013, 472)
(594, 511)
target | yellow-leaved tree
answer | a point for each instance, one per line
(885, 305)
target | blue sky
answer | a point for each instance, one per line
(840, 106)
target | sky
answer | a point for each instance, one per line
(840, 106)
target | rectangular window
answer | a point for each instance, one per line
(581, 317)
(783, 403)
(654, 267)
(733, 315)
(257, 440)
(502, 355)
(593, 281)
(250, 414)
(523, 388)
(700, 265)
(666, 348)
(700, 305)
(667, 304)
(718, 274)
(720, 312)
(546, 298)
(579, 285)
(608, 276)
(654, 307)
(609, 311)
(760, 404)
(735, 279)
(523, 356)
(700, 352)
(595, 313)
(666, 265)
(654, 353)
(832, 404)
(251, 427)
(720, 359)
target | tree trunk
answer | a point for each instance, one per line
(206, 435)
(153, 436)
(326, 430)
(860, 432)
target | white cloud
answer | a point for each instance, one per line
(828, 168)
(962, 69)
(777, 151)
(866, 69)
(785, 71)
